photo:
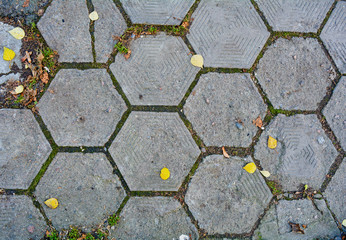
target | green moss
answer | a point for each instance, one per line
(113, 220)
(276, 189)
(73, 234)
(54, 235)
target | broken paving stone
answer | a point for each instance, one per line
(11, 76)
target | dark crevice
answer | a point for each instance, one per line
(90, 7)
(325, 20)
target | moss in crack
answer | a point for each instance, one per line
(275, 188)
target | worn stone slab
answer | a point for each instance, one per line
(295, 15)
(81, 107)
(11, 76)
(227, 33)
(303, 154)
(158, 72)
(224, 198)
(158, 12)
(23, 148)
(335, 112)
(10, 42)
(336, 192)
(295, 73)
(319, 222)
(333, 36)
(150, 141)
(85, 186)
(110, 23)
(153, 218)
(222, 107)
(20, 219)
(65, 27)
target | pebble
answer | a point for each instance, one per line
(239, 125)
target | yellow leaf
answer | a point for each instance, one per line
(306, 187)
(225, 154)
(19, 89)
(93, 16)
(272, 142)
(8, 54)
(197, 60)
(344, 222)
(250, 167)
(52, 203)
(265, 173)
(165, 173)
(17, 33)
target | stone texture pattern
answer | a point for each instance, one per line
(335, 112)
(150, 141)
(333, 35)
(221, 102)
(10, 42)
(153, 218)
(18, 216)
(23, 148)
(110, 23)
(319, 222)
(158, 72)
(227, 33)
(295, 73)
(336, 192)
(81, 107)
(224, 198)
(158, 12)
(295, 15)
(85, 186)
(65, 27)
(303, 154)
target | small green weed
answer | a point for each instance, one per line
(32, 83)
(73, 234)
(19, 99)
(152, 29)
(113, 219)
(121, 48)
(89, 237)
(48, 59)
(53, 235)
(274, 187)
(100, 234)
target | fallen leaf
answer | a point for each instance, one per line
(258, 122)
(265, 173)
(165, 173)
(26, 3)
(8, 54)
(185, 24)
(17, 33)
(296, 228)
(344, 222)
(51, 91)
(93, 16)
(44, 77)
(19, 89)
(52, 203)
(250, 167)
(127, 55)
(82, 237)
(272, 142)
(197, 60)
(306, 187)
(27, 56)
(225, 154)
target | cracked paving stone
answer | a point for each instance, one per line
(222, 107)
(295, 15)
(78, 181)
(303, 154)
(65, 27)
(158, 72)
(335, 112)
(20, 219)
(110, 23)
(150, 141)
(295, 73)
(153, 218)
(224, 198)
(227, 33)
(336, 192)
(81, 107)
(319, 222)
(23, 148)
(157, 12)
(333, 36)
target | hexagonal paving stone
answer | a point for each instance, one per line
(227, 33)
(224, 198)
(23, 148)
(295, 15)
(85, 186)
(336, 192)
(153, 218)
(295, 73)
(158, 72)
(335, 112)
(81, 107)
(334, 36)
(20, 219)
(110, 23)
(222, 107)
(65, 27)
(150, 141)
(303, 154)
(319, 222)
(159, 12)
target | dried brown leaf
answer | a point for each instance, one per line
(225, 154)
(116, 38)
(127, 55)
(258, 122)
(26, 3)
(296, 228)
(44, 77)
